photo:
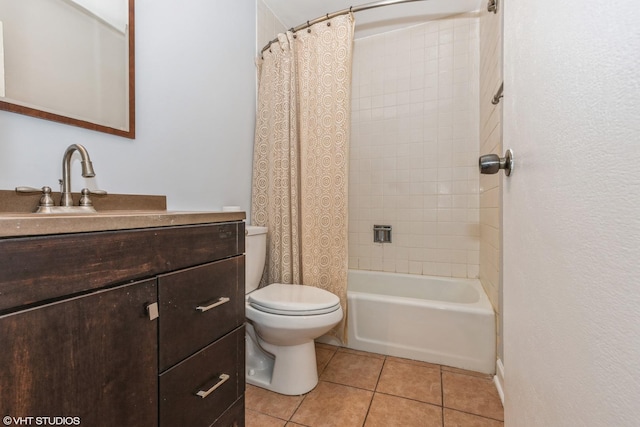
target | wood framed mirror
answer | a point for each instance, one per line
(70, 61)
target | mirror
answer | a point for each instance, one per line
(71, 61)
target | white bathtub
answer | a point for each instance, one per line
(433, 319)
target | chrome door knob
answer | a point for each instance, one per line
(492, 163)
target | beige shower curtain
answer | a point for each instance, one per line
(301, 157)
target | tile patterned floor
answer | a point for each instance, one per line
(371, 390)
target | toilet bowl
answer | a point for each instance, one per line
(283, 322)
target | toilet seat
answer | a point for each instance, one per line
(293, 300)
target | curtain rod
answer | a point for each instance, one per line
(338, 13)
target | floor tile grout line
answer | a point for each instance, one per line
(371, 402)
(373, 395)
(304, 425)
(364, 421)
(442, 394)
(268, 415)
(413, 400)
(384, 362)
(327, 364)
(375, 389)
(487, 377)
(385, 359)
(361, 353)
(414, 362)
(304, 396)
(472, 413)
(347, 385)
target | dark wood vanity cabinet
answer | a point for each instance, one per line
(79, 335)
(79, 357)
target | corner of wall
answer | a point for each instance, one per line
(490, 129)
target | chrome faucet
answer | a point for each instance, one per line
(87, 171)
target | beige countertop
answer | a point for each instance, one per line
(114, 212)
(31, 224)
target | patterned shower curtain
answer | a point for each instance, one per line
(301, 157)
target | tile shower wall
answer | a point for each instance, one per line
(414, 149)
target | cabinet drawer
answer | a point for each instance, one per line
(35, 269)
(217, 364)
(197, 306)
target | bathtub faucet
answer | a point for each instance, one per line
(87, 171)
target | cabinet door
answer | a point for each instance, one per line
(92, 357)
(233, 417)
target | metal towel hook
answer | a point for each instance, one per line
(492, 163)
(493, 6)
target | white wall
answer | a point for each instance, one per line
(414, 149)
(195, 114)
(572, 213)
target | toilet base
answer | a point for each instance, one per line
(289, 370)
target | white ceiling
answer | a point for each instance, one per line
(368, 22)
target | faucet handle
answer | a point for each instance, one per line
(84, 199)
(85, 192)
(25, 189)
(45, 201)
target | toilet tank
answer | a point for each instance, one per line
(255, 255)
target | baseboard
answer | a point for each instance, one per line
(498, 379)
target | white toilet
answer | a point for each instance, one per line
(282, 323)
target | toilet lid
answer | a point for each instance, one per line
(293, 300)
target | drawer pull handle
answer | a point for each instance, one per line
(223, 379)
(220, 301)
